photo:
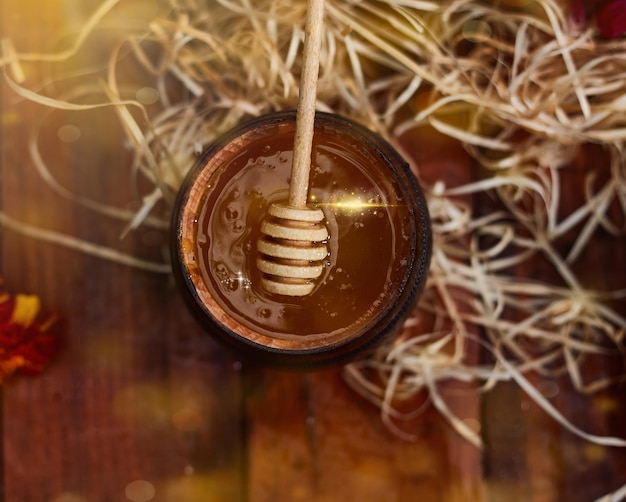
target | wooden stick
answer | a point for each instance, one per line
(305, 114)
(293, 244)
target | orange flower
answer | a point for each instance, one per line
(26, 342)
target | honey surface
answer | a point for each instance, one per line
(371, 234)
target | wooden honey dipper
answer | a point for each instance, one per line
(293, 237)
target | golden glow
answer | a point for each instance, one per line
(352, 204)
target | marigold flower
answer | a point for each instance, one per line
(26, 341)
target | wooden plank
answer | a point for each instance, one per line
(378, 466)
(312, 439)
(138, 393)
(281, 435)
(140, 399)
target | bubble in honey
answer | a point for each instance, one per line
(221, 272)
(231, 285)
(231, 212)
(250, 299)
(264, 313)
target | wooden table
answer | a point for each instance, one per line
(142, 405)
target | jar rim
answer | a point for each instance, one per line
(379, 326)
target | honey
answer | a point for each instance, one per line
(379, 242)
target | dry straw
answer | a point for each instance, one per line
(531, 88)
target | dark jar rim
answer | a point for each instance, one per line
(383, 325)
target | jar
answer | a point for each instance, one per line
(379, 244)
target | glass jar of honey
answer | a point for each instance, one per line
(379, 242)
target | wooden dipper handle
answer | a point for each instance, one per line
(293, 237)
(305, 114)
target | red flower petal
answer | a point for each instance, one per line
(26, 342)
(612, 19)
(578, 12)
